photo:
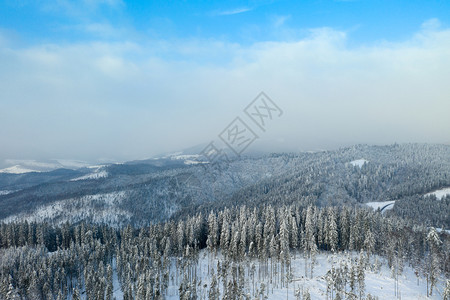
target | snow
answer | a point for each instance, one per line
(185, 156)
(380, 205)
(440, 230)
(440, 193)
(358, 162)
(72, 164)
(17, 169)
(117, 289)
(99, 208)
(194, 162)
(33, 164)
(6, 192)
(98, 173)
(95, 175)
(378, 281)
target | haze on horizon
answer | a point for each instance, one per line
(114, 80)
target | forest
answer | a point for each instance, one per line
(295, 226)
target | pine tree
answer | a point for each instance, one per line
(76, 294)
(332, 232)
(306, 295)
(109, 282)
(12, 293)
(446, 293)
(213, 289)
(310, 244)
(212, 232)
(361, 275)
(369, 243)
(434, 244)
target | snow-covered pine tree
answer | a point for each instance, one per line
(434, 243)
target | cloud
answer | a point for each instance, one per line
(279, 21)
(431, 24)
(232, 11)
(78, 9)
(133, 99)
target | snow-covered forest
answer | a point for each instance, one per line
(365, 222)
(236, 253)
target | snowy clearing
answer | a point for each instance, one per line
(440, 193)
(383, 205)
(378, 279)
(358, 162)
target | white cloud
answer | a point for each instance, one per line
(132, 100)
(234, 11)
(279, 21)
(431, 24)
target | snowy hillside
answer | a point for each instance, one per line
(97, 173)
(17, 169)
(175, 184)
(99, 208)
(20, 166)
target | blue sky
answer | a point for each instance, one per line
(243, 22)
(125, 80)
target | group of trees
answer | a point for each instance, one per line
(42, 261)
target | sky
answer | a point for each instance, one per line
(112, 80)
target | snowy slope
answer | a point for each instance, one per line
(21, 166)
(99, 172)
(17, 169)
(99, 208)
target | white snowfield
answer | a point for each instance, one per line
(17, 169)
(379, 281)
(381, 204)
(440, 193)
(359, 162)
(21, 166)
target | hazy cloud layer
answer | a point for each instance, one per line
(134, 99)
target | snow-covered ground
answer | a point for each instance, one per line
(440, 193)
(378, 281)
(380, 205)
(358, 162)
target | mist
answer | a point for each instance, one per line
(117, 101)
